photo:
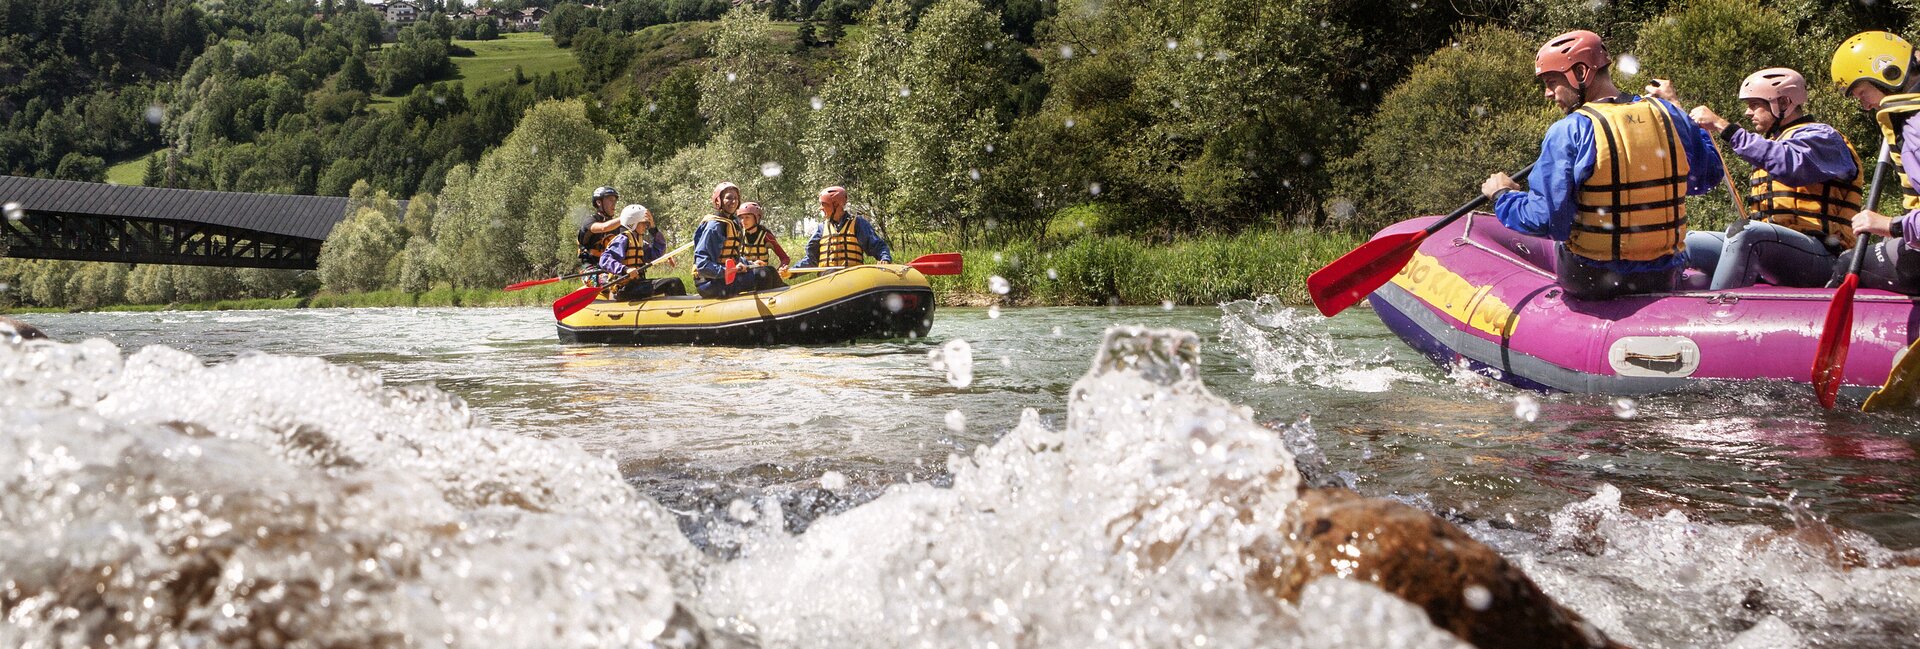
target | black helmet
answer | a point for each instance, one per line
(603, 192)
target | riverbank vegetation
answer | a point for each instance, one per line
(1185, 150)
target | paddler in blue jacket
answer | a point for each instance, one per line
(1609, 184)
(844, 240)
(717, 244)
(1878, 70)
(1805, 188)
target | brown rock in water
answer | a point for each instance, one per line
(1426, 561)
(24, 330)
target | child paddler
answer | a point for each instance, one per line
(758, 245)
(638, 244)
(716, 242)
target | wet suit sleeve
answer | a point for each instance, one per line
(1703, 163)
(708, 240)
(871, 242)
(1546, 208)
(813, 249)
(1811, 155)
(773, 242)
(1910, 163)
(613, 258)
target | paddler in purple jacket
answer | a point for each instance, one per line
(1805, 189)
(1877, 69)
(1608, 184)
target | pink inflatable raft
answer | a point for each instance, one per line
(1484, 295)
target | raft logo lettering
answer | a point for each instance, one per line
(1448, 292)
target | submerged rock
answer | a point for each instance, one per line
(1465, 587)
(11, 328)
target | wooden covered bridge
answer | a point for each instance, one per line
(63, 219)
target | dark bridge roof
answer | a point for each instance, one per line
(309, 217)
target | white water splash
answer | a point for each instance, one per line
(270, 498)
(1287, 345)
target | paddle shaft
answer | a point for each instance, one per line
(1873, 203)
(1836, 331)
(1471, 205)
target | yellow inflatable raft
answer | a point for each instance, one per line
(879, 301)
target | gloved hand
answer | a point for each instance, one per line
(635, 215)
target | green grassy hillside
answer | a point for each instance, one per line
(493, 62)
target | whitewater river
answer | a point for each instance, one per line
(874, 495)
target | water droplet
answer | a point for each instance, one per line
(1166, 305)
(440, 100)
(155, 113)
(652, 106)
(993, 312)
(1625, 408)
(1477, 596)
(989, 148)
(833, 481)
(1173, 44)
(816, 103)
(956, 359)
(1526, 408)
(731, 77)
(999, 285)
(1066, 51)
(1093, 188)
(741, 511)
(770, 169)
(905, 91)
(13, 211)
(1056, 331)
(956, 421)
(973, 174)
(1628, 64)
(1053, 274)
(895, 303)
(1006, 361)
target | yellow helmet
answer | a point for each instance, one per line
(1879, 57)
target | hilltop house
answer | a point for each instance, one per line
(530, 18)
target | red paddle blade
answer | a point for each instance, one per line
(1351, 277)
(532, 283)
(733, 268)
(936, 258)
(936, 267)
(573, 302)
(1835, 336)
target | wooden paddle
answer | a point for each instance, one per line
(939, 263)
(1830, 356)
(1903, 383)
(539, 282)
(572, 303)
(1351, 277)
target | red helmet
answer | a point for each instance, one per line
(721, 189)
(1782, 89)
(835, 196)
(748, 208)
(1577, 46)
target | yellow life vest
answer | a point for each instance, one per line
(840, 247)
(1633, 207)
(731, 249)
(1820, 210)
(1893, 114)
(753, 245)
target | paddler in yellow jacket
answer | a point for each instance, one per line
(1612, 178)
(1805, 189)
(1878, 70)
(844, 240)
